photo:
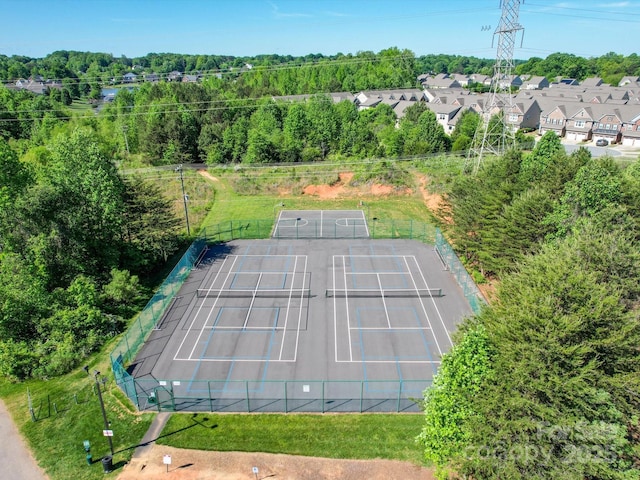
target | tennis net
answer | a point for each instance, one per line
(251, 293)
(389, 292)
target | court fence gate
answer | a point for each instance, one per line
(352, 396)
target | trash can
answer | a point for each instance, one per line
(107, 463)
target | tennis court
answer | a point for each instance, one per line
(303, 325)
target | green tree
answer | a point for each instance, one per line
(464, 131)
(448, 403)
(149, 227)
(70, 221)
(565, 369)
(324, 124)
(596, 186)
(542, 158)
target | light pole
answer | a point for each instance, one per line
(184, 198)
(96, 375)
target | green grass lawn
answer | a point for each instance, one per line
(230, 205)
(345, 436)
(68, 412)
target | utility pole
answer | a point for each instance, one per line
(125, 128)
(107, 429)
(185, 197)
(497, 136)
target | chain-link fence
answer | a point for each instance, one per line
(278, 396)
(354, 396)
(453, 264)
(263, 228)
(129, 345)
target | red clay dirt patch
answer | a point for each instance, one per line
(433, 201)
(329, 191)
(196, 465)
(342, 187)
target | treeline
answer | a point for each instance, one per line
(83, 73)
(74, 238)
(185, 122)
(610, 67)
(544, 382)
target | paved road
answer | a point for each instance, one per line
(16, 460)
(595, 151)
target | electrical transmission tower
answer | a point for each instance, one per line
(494, 135)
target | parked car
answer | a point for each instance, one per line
(601, 142)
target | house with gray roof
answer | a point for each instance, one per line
(553, 120)
(592, 82)
(629, 80)
(445, 114)
(631, 128)
(152, 77)
(129, 77)
(523, 114)
(536, 83)
(440, 81)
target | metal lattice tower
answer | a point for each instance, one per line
(494, 136)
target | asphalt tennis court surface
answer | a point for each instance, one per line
(257, 317)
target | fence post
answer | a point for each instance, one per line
(399, 396)
(246, 383)
(126, 340)
(286, 406)
(323, 396)
(361, 393)
(210, 399)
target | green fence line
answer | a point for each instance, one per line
(135, 336)
(283, 396)
(263, 228)
(454, 265)
(131, 342)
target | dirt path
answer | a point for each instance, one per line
(196, 465)
(16, 460)
(206, 174)
(148, 463)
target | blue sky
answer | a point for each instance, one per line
(299, 27)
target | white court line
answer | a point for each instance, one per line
(211, 310)
(392, 328)
(195, 317)
(392, 362)
(234, 360)
(384, 302)
(366, 226)
(253, 299)
(335, 310)
(424, 309)
(433, 300)
(346, 300)
(286, 318)
(304, 280)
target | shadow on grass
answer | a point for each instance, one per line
(196, 423)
